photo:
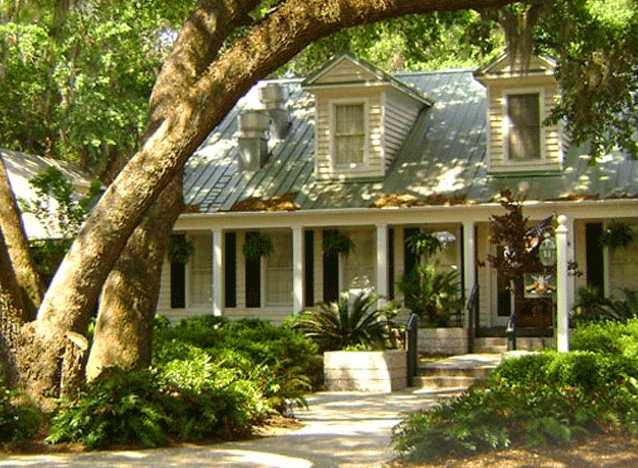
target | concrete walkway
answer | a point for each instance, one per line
(340, 429)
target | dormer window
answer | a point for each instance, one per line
(524, 127)
(349, 136)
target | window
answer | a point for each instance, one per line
(524, 132)
(349, 137)
(360, 266)
(278, 271)
(201, 271)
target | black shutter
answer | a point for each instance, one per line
(595, 262)
(230, 269)
(309, 268)
(178, 283)
(253, 279)
(390, 263)
(330, 277)
(410, 259)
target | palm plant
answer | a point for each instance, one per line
(338, 325)
(592, 306)
(433, 295)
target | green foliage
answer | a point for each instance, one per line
(180, 249)
(617, 235)
(117, 408)
(336, 243)
(339, 325)
(257, 245)
(18, 420)
(431, 294)
(424, 244)
(592, 306)
(546, 398)
(607, 337)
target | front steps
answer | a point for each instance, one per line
(456, 372)
(499, 344)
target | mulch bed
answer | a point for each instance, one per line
(602, 451)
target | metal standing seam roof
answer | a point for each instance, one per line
(444, 155)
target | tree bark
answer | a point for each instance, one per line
(170, 141)
(11, 315)
(123, 333)
(26, 274)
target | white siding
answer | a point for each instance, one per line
(623, 266)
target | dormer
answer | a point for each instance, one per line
(519, 99)
(362, 116)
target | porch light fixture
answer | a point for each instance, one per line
(444, 237)
(547, 252)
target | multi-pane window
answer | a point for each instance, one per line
(524, 137)
(360, 266)
(201, 271)
(349, 138)
(278, 271)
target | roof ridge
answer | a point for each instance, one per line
(434, 72)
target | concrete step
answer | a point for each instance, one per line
(499, 344)
(444, 381)
(431, 370)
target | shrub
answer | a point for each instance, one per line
(433, 295)
(592, 306)
(547, 398)
(607, 337)
(338, 325)
(119, 407)
(17, 420)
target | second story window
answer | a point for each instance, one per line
(524, 127)
(349, 136)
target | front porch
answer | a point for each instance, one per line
(219, 280)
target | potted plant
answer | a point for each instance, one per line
(257, 245)
(354, 337)
(337, 243)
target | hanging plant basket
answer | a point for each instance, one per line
(257, 245)
(617, 235)
(424, 244)
(337, 243)
(180, 249)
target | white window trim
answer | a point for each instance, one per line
(507, 124)
(263, 272)
(351, 168)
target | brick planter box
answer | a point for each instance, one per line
(448, 341)
(366, 371)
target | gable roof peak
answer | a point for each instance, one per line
(503, 67)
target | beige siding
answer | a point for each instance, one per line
(345, 71)
(164, 299)
(399, 261)
(400, 113)
(241, 271)
(496, 115)
(484, 276)
(623, 266)
(273, 315)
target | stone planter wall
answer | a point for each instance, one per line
(449, 341)
(366, 371)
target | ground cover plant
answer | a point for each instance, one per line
(547, 398)
(210, 377)
(18, 420)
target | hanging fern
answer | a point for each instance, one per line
(424, 244)
(257, 245)
(336, 243)
(617, 235)
(180, 249)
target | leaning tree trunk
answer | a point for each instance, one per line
(11, 315)
(123, 333)
(18, 247)
(268, 45)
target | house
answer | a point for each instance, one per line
(21, 168)
(378, 157)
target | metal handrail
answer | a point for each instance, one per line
(412, 346)
(472, 311)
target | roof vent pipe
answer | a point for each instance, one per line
(273, 96)
(253, 139)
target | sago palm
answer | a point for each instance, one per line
(337, 325)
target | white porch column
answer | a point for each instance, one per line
(297, 269)
(469, 261)
(218, 272)
(562, 320)
(382, 262)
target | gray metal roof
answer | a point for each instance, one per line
(443, 156)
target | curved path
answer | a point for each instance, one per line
(340, 429)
